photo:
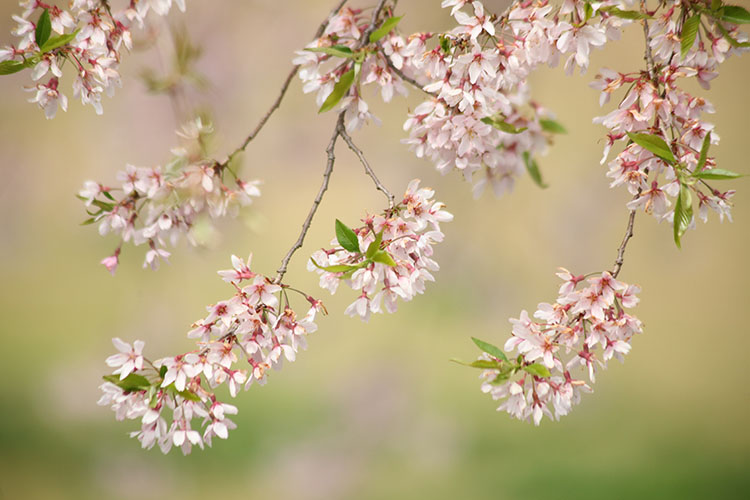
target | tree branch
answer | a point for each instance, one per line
(316, 202)
(282, 93)
(331, 159)
(621, 251)
(403, 76)
(368, 170)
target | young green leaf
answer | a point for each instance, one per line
(190, 396)
(533, 170)
(626, 14)
(704, 152)
(386, 28)
(10, 67)
(339, 91)
(537, 369)
(734, 14)
(131, 383)
(383, 257)
(552, 126)
(654, 144)
(336, 51)
(347, 238)
(58, 41)
(340, 268)
(490, 349)
(163, 371)
(683, 213)
(43, 28)
(502, 125)
(445, 44)
(716, 174)
(484, 364)
(689, 32)
(374, 246)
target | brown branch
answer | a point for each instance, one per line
(405, 78)
(338, 129)
(621, 251)
(282, 93)
(316, 202)
(368, 170)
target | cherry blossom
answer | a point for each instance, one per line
(587, 324)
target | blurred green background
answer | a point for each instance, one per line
(370, 410)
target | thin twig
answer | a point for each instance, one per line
(282, 93)
(405, 78)
(316, 202)
(373, 20)
(368, 170)
(331, 159)
(621, 251)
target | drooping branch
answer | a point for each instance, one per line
(316, 202)
(330, 151)
(282, 93)
(625, 240)
(368, 170)
(406, 78)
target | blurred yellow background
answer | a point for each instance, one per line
(370, 410)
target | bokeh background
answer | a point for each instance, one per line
(371, 410)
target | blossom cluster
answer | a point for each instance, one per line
(584, 328)
(90, 36)
(341, 61)
(665, 162)
(389, 257)
(256, 325)
(153, 205)
(481, 119)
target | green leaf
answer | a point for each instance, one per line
(190, 396)
(537, 369)
(654, 144)
(533, 169)
(704, 152)
(386, 28)
(626, 14)
(715, 4)
(683, 213)
(588, 10)
(346, 237)
(336, 51)
(10, 67)
(689, 32)
(490, 349)
(341, 268)
(88, 221)
(163, 371)
(502, 125)
(339, 91)
(384, 258)
(716, 174)
(131, 383)
(58, 41)
(734, 14)
(552, 126)
(107, 207)
(501, 378)
(43, 28)
(484, 364)
(445, 44)
(374, 246)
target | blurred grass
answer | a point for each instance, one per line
(372, 410)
